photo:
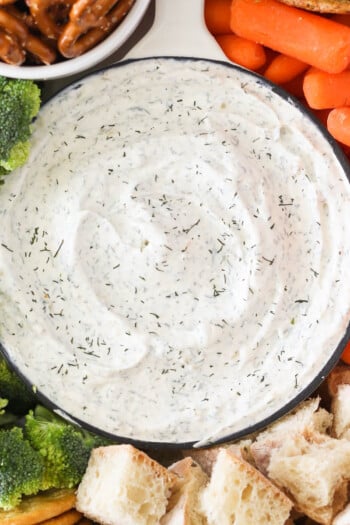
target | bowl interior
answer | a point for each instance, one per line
(268, 278)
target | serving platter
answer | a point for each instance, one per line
(295, 294)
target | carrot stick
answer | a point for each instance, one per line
(309, 37)
(346, 354)
(284, 69)
(338, 124)
(242, 51)
(324, 90)
(295, 86)
(322, 115)
(217, 16)
(342, 18)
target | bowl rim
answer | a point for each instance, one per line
(333, 356)
(160, 445)
(91, 58)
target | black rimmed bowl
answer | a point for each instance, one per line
(277, 293)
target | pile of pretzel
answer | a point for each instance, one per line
(45, 31)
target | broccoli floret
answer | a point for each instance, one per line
(3, 405)
(21, 468)
(6, 418)
(20, 397)
(65, 448)
(19, 104)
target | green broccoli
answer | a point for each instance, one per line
(3, 405)
(21, 468)
(65, 448)
(19, 104)
(6, 418)
(20, 397)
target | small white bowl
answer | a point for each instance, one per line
(89, 59)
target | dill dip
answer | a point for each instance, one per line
(175, 255)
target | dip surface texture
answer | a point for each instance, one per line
(175, 255)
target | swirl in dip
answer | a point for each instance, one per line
(175, 255)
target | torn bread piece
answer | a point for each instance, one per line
(71, 517)
(341, 412)
(43, 506)
(340, 375)
(306, 418)
(124, 486)
(206, 457)
(183, 507)
(343, 518)
(314, 471)
(238, 494)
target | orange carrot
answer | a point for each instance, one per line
(346, 354)
(270, 56)
(284, 69)
(346, 150)
(309, 37)
(242, 51)
(217, 16)
(295, 86)
(322, 115)
(324, 90)
(338, 124)
(342, 18)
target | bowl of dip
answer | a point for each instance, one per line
(96, 55)
(175, 266)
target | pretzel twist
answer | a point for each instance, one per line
(25, 16)
(50, 15)
(89, 22)
(6, 2)
(21, 39)
(40, 50)
(13, 26)
(11, 51)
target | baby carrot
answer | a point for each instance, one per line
(346, 354)
(242, 51)
(295, 86)
(342, 18)
(217, 16)
(322, 115)
(284, 68)
(324, 90)
(338, 124)
(309, 37)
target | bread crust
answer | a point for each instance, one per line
(257, 477)
(237, 489)
(183, 505)
(339, 375)
(298, 468)
(122, 485)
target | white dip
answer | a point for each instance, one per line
(175, 256)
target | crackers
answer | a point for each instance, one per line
(41, 508)
(321, 6)
(71, 517)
